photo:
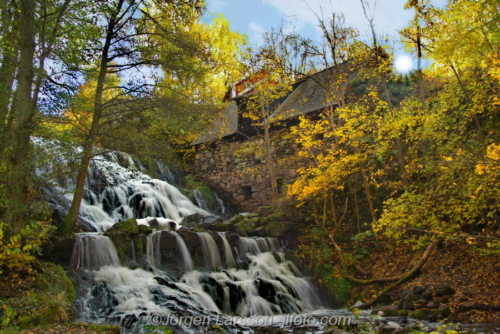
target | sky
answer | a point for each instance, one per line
(252, 17)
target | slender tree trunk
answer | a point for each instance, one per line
(67, 227)
(7, 73)
(23, 127)
(267, 146)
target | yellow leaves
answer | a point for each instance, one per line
(491, 161)
(470, 241)
(447, 158)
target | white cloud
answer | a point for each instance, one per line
(389, 15)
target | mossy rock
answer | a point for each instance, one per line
(49, 301)
(276, 229)
(139, 247)
(236, 219)
(129, 226)
(241, 232)
(145, 229)
(444, 290)
(248, 225)
(424, 313)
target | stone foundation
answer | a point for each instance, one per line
(240, 168)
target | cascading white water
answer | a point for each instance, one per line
(186, 257)
(210, 251)
(258, 245)
(153, 250)
(92, 251)
(112, 192)
(228, 253)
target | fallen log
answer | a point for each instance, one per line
(402, 279)
(479, 307)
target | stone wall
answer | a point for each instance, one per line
(240, 168)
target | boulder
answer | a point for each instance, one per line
(258, 232)
(427, 294)
(62, 251)
(241, 232)
(444, 290)
(154, 224)
(248, 225)
(145, 229)
(218, 226)
(122, 241)
(128, 226)
(433, 304)
(409, 300)
(233, 239)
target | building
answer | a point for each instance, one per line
(231, 153)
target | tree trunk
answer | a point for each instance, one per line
(23, 127)
(267, 147)
(67, 226)
(7, 73)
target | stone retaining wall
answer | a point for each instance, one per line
(240, 168)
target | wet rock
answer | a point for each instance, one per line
(168, 242)
(232, 238)
(128, 226)
(218, 226)
(210, 220)
(444, 290)
(62, 251)
(240, 232)
(258, 232)
(85, 225)
(122, 241)
(145, 229)
(154, 224)
(218, 241)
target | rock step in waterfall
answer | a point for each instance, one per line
(251, 277)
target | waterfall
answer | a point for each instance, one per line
(153, 250)
(92, 251)
(256, 246)
(116, 189)
(228, 253)
(165, 173)
(199, 199)
(189, 273)
(210, 251)
(186, 257)
(220, 209)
